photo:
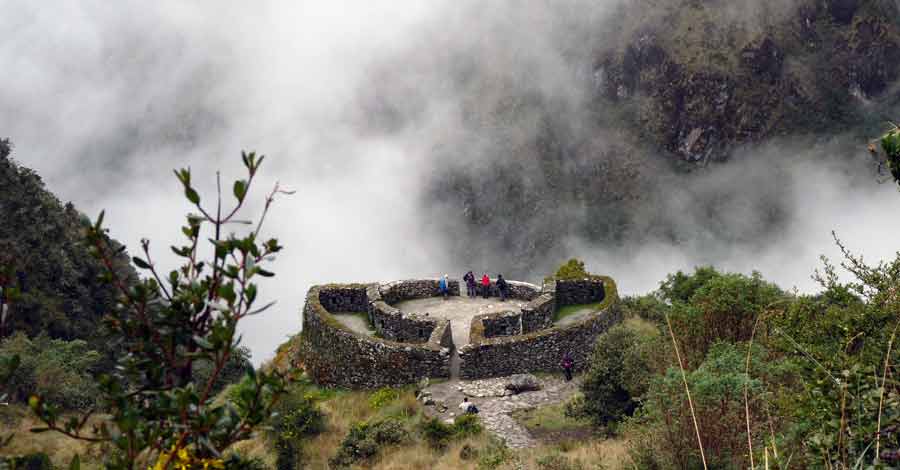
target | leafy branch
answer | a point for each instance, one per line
(165, 324)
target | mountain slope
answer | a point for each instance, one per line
(41, 241)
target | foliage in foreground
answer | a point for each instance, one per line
(806, 379)
(165, 327)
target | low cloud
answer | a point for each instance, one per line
(363, 108)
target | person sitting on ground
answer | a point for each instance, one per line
(444, 287)
(503, 287)
(486, 285)
(468, 407)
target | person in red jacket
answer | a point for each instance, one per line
(486, 285)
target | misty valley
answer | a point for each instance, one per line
(550, 235)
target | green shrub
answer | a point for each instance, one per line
(494, 455)
(558, 462)
(287, 455)
(298, 418)
(382, 397)
(35, 461)
(709, 307)
(436, 432)
(466, 425)
(53, 369)
(238, 461)
(664, 432)
(364, 440)
(647, 307)
(439, 434)
(233, 372)
(572, 269)
(618, 375)
(467, 452)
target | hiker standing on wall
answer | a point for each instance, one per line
(503, 287)
(470, 284)
(486, 285)
(567, 365)
(444, 287)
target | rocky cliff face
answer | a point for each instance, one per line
(701, 83)
(665, 90)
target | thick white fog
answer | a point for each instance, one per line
(104, 98)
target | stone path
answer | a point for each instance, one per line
(495, 403)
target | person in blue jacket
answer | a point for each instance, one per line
(444, 287)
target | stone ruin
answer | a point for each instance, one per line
(406, 347)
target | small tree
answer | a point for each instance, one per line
(888, 156)
(165, 325)
(572, 269)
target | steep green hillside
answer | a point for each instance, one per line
(41, 241)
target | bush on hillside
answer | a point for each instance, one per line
(572, 269)
(646, 307)
(561, 462)
(619, 374)
(382, 397)
(237, 461)
(439, 434)
(35, 461)
(709, 307)
(364, 440)
(495, 454)
(663, 429)
(234, 370)
(56, 369)
(296, 416)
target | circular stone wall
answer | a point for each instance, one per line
(493, 354)
(332, 354)
(409, 347)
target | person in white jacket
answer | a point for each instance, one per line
(468, 407)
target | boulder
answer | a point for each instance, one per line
(522, 383)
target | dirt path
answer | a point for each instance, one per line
(495, 405)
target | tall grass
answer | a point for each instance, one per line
(687, 390)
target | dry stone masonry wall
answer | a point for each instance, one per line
(399, 291)
(538, 314)
(411, 347)
(579, 292)
(334, 355)
(390, 323)
(542, 346)
(498, 324)
(541, 351)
